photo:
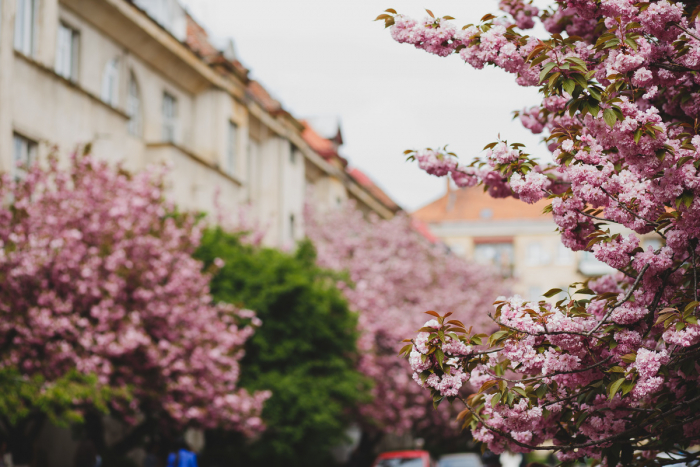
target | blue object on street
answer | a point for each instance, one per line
(183, 458)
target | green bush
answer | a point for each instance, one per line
(304, 352)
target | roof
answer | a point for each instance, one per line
(323, 136)
(197, 40)
(475, 205)
(423, 229)
(325, 147)
(327, 126)
(372, 188)
(262, 97)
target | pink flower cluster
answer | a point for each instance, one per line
(98, 276)
(446, 382)
(396, 274)
(620, 84)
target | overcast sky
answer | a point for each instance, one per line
(327, 57)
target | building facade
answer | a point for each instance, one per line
(514, 237)
(140, 81)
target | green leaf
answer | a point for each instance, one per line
(637, 135)
(609, 117)
(629, 358)
(576, 60)
(546, 69)
(580, 80)
(496, 336)
(440, 355)
(552, 292)
(569, 85)
(614, 387)
(541, 391)
(495, 399)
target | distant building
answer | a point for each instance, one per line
(512, 236)
(142, 82)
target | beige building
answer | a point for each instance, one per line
(141, 81)
(512, 236)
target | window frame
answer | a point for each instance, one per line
(24, 40)
(133, 107)
(28, 151)
(169, 117)
(71, 73)
(293, 153)
(110, 83)
(231, 148)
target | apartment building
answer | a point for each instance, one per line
(514, 237)
(141, 82)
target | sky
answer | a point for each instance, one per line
(329, 58)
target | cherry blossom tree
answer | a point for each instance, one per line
(610, 371)
(98, 276)
(394, 275)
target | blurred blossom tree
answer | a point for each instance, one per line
(305, 352)
(98, 280)
(610, 371)
(395, 274)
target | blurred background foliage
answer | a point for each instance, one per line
(304, 352)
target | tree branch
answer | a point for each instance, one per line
(625, 298)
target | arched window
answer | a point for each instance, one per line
(133, 107)
(110, 82)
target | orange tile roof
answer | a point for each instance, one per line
(373, 189)
(423, 229)
(263, 97)
(198, 39)
(324, 147)
(469, 203)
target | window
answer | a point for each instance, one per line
(231, 148)
(499, 255)
(25, 21)
(536, 254)
(110, 82)
(292, 153)
(133, 107)
(169, 117)
(458, 249)
(486, 213)
(67, 52)
(564, 255)
(589, 265)
(24, 154)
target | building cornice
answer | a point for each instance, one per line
(196, 158)
(153, 44)
(500, 228)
